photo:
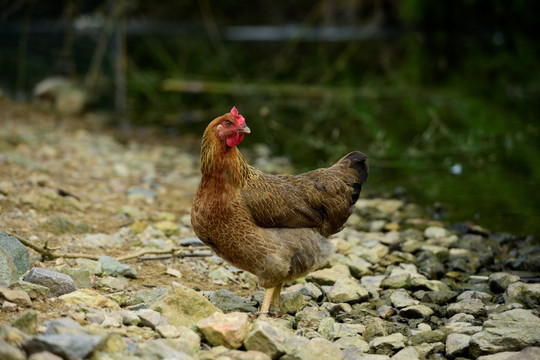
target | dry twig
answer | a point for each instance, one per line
(49, 254)
(46, 252)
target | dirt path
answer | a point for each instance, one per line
(63, 182)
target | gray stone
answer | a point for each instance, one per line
(113, 320)
(136, 193)
(427, 350)
(95, 317)
(461, 328)
(33, 290)
(190, 338)
(399, 281)
(470, 294)
(61, 325)
(81, 277)
(310, 317)
(8, 272)
(150, 318)
(10, 352)
(401, 299)
(129, 317)
(221, 352)
(191, 241)
(15, 296)
(358, 266)
(504, 355)
(441, 253)
(447, 242)
(310, 290)
(430, 336)
(352, 356)
(463, 260)
(113, 267)
(184, 306)
(442, 297)
(347, 290)
(168, 331)
(329, 276)
(416, 312)
(430, 265)
(229, 302)
(221, 276)
(498, 282)
(461, 317)
(385, 311)
(44, 355)
(388, 345)
(27, 322)
(146, 298)
(292, 302)
(116, 283)
(337, 310)
(58, 283)
(272, 340)
(17, 252)
(69, 99)
(331, 330)
(457, 344)
(435, 232)
(528, 294)
(90, 298)
(408, 353)
(6, 187)
(508, 331)
(529, 353)
(67, 346)
(474, 307)
(372, 283)
(420, 283)
(13, 335)
(316, 349)
(94, 267)
(161, 349)
(375, 327)
(373, 251)
(352, 342)
(225, 329)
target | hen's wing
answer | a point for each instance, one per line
(321, 198)
(274, 202)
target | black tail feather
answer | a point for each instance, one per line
(358, 162)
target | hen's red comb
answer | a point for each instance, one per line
(239, 118)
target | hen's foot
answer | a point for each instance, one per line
(265, 306)
(276, 296)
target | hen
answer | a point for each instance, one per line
(274, 226)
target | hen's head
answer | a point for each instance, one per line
(231, 127)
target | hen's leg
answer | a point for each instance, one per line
(275, 297)
(265, 306)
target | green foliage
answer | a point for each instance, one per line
(444, 85)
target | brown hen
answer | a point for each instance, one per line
(274, 226)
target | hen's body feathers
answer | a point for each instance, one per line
(274, 226)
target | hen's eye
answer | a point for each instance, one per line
(228, 123)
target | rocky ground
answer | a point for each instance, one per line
(399, 287)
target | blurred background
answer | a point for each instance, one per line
(441, 95)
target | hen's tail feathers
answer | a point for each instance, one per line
(358, 162)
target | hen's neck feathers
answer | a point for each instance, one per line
(224, 164)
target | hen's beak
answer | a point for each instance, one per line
(244, 129)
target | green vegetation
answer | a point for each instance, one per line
(443, 98)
